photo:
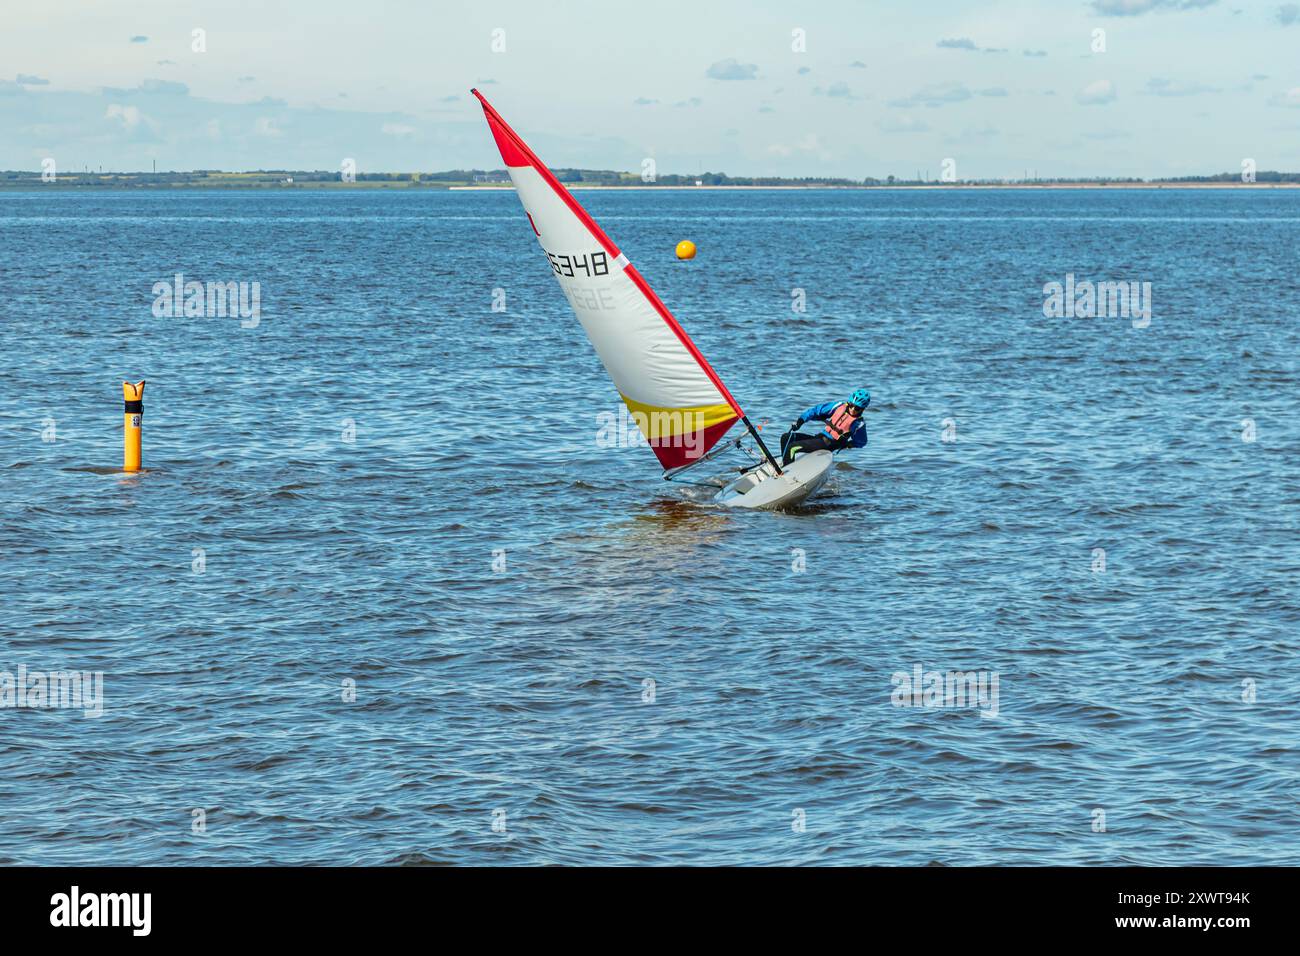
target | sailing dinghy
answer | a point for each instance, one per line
(671, 391)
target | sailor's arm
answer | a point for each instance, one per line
(818, 413)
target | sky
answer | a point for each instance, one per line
(851, 89)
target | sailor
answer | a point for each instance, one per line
(844, 427)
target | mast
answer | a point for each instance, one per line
(759, 438)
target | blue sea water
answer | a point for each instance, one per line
(393, 490)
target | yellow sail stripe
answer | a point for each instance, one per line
(657, 422)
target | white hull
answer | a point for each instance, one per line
(761, 487)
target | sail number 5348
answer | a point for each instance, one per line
(597, 264)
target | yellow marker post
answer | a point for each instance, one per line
(131, 415)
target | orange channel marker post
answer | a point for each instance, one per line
(132, 412)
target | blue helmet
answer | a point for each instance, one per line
(860, 397)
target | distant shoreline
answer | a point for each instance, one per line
(478, 180)
(34, 185)
(934, 186)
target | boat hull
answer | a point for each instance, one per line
(761, 488)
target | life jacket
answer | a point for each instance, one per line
(840, 423)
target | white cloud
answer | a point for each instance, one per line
(1159, 86)
(808, 145)
(731, 69)
(839, 91)
(1133, 8)
(1289, 98)
(1097, 93)
(129, 117)
(935, 95)
(966, 43)
(130, 121)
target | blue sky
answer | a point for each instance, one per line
(1004, 86)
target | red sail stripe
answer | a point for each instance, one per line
(671, 454)
(515, 152)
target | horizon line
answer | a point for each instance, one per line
(626, 179)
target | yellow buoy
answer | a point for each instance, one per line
(132, 412)
(686, 249)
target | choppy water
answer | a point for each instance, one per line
(520, 695)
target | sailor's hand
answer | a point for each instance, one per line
(798, 424)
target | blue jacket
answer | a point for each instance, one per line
(820, 413)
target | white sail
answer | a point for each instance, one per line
(671, 391)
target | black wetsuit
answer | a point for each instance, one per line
(792, 442)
